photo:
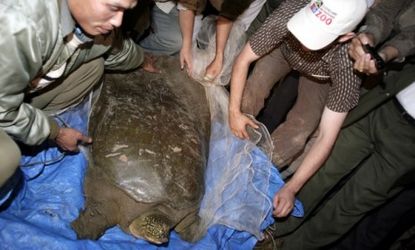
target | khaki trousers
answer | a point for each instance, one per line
(290, 137)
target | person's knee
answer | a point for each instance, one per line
(96, 69)
(252, 100)
(289, 143)
(173, 44)
(10, 157)
(170, 43)
(248, 106)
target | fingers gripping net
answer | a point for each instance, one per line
(236, 186)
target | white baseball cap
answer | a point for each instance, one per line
(321, 22)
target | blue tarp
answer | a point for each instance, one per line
(49, 195)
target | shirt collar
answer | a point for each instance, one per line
(67, 22)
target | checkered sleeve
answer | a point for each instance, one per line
(345, 89)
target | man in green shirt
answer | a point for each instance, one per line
(52, 54)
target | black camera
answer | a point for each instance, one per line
(379, 62)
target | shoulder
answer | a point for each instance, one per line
(38, 18)
(35, 11)
(339, 62)
(31, 26)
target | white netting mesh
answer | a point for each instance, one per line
(236, 187)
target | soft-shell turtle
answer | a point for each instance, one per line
(147, 162)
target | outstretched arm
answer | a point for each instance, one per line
(237, 120)
(186, 19)
(223, 28)
(329, 128)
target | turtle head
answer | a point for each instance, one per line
(154, 228)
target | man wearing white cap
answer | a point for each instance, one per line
(304, 39)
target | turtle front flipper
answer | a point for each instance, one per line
(95, 219)
(152, 226)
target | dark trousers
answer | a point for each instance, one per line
(382, 227)
(280, 102)
(378, 152)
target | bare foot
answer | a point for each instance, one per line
(149, 64)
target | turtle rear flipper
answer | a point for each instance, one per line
(153, 227)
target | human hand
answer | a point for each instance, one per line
(284, 201)
(213, 69)
(69, 138)
(364, 63)
(238, 122)
(186, 59)
(149, 64)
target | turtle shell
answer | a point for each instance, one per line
(151, 135)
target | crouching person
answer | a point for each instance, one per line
(52, 54)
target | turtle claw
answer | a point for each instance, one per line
(154, 228)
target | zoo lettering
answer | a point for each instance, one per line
(320, 15)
